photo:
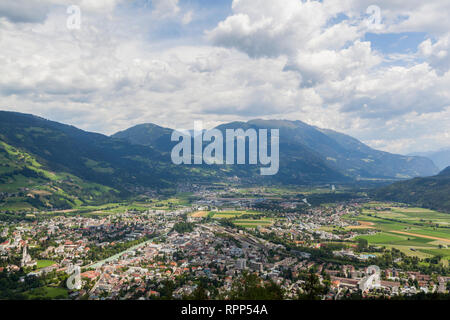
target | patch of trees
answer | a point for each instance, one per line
(251, 287)
(184, 227)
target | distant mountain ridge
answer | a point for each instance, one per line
(335, 153)
(441, 157)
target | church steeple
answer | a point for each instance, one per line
(26, 261)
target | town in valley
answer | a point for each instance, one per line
(211, 242)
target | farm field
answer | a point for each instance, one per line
(415, 231)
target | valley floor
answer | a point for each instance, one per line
(205, 241)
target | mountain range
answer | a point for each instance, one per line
(50, 164)
(310, 151)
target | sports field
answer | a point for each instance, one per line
(231, 214)
(248, 223)
(242, 218)
(44, 263)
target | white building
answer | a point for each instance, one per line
(241, 264)
(372, 280)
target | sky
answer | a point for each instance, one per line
(376, 70)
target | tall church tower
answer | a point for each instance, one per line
(26, 258)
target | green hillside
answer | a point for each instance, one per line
(25, 184)
(431, 192)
